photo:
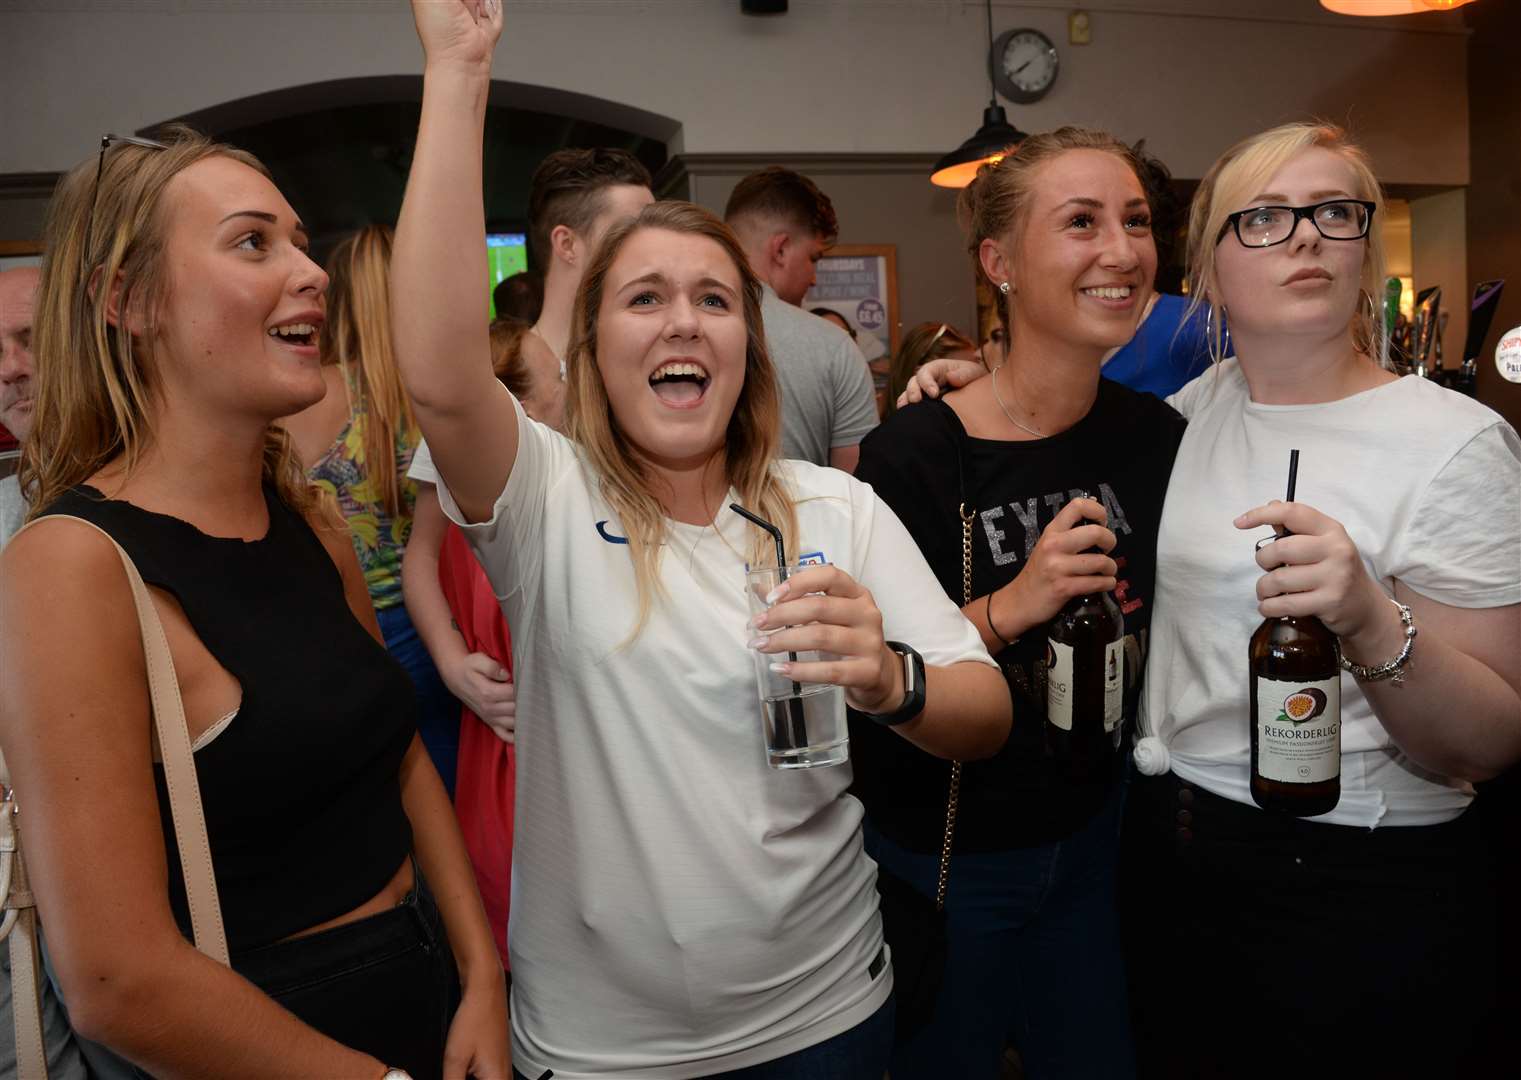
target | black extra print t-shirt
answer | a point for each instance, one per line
(922, 463)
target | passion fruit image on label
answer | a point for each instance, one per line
(1303, 706)
(1299, 730)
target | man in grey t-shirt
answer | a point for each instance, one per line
(828, 404)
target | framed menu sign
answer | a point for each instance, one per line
(859, 282)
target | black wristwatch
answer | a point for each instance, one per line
(913, 688)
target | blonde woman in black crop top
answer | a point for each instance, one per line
(176, 320)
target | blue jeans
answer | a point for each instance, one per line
(438, 711)
(1033, 957)
(858, 1054)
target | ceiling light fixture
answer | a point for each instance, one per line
(995, 138)
(1390, 7)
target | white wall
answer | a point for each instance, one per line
(832, 76)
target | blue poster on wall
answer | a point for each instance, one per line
(859, 283)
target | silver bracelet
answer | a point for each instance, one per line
(1393, 669)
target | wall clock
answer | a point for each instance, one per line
(1024, 65)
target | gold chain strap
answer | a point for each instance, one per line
(954, 797)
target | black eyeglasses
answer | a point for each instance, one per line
(1264, 226)
(106, 142)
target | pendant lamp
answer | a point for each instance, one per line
(1390, 7)
(991, 142)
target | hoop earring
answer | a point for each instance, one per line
(1214, 342)
(1003, 287)
(1365, 333)
(1365, 297)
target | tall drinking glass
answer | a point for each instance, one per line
(803, 723)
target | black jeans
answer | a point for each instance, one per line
(1266, 945)
(386, 985)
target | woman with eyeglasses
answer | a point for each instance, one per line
(1358, 942)
(177, 321)
(1031, 486)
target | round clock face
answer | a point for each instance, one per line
(1024, 64)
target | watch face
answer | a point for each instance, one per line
(1025, 63)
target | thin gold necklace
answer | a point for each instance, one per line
(999, 398)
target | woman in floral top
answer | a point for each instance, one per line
(365, 418)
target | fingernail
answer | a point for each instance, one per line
(757, 621)
(777, 593)
(782, 668)
(756, 642)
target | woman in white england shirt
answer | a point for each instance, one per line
(679, 908)
(1357, 942)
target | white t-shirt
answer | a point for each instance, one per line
(679, 908)
(1427, 484)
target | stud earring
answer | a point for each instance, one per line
(1003, 287)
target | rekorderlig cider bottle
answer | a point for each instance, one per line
(1295, 702)
(1085, 683)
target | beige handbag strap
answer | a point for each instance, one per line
(179, 764)
(19, 925)
(19, 928)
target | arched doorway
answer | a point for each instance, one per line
(340, 150)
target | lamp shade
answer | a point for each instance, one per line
(1390, 7)
(993, 140)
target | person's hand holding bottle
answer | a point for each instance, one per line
(1062, 566)
(1317, 570)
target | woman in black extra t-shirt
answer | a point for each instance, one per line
(176, 321)
(1062, 231)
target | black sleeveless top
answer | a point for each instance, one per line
(302, 790)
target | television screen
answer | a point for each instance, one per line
(506, 254)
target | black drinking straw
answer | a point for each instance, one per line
(798, 730)
(1283, 530)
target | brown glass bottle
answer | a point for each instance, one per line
(1085, 683)
(1296, 717)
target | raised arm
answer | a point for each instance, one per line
(438, 266)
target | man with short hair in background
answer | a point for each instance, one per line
(785, 223)
(575, 197)
(18, 289)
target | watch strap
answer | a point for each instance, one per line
(913, 688)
